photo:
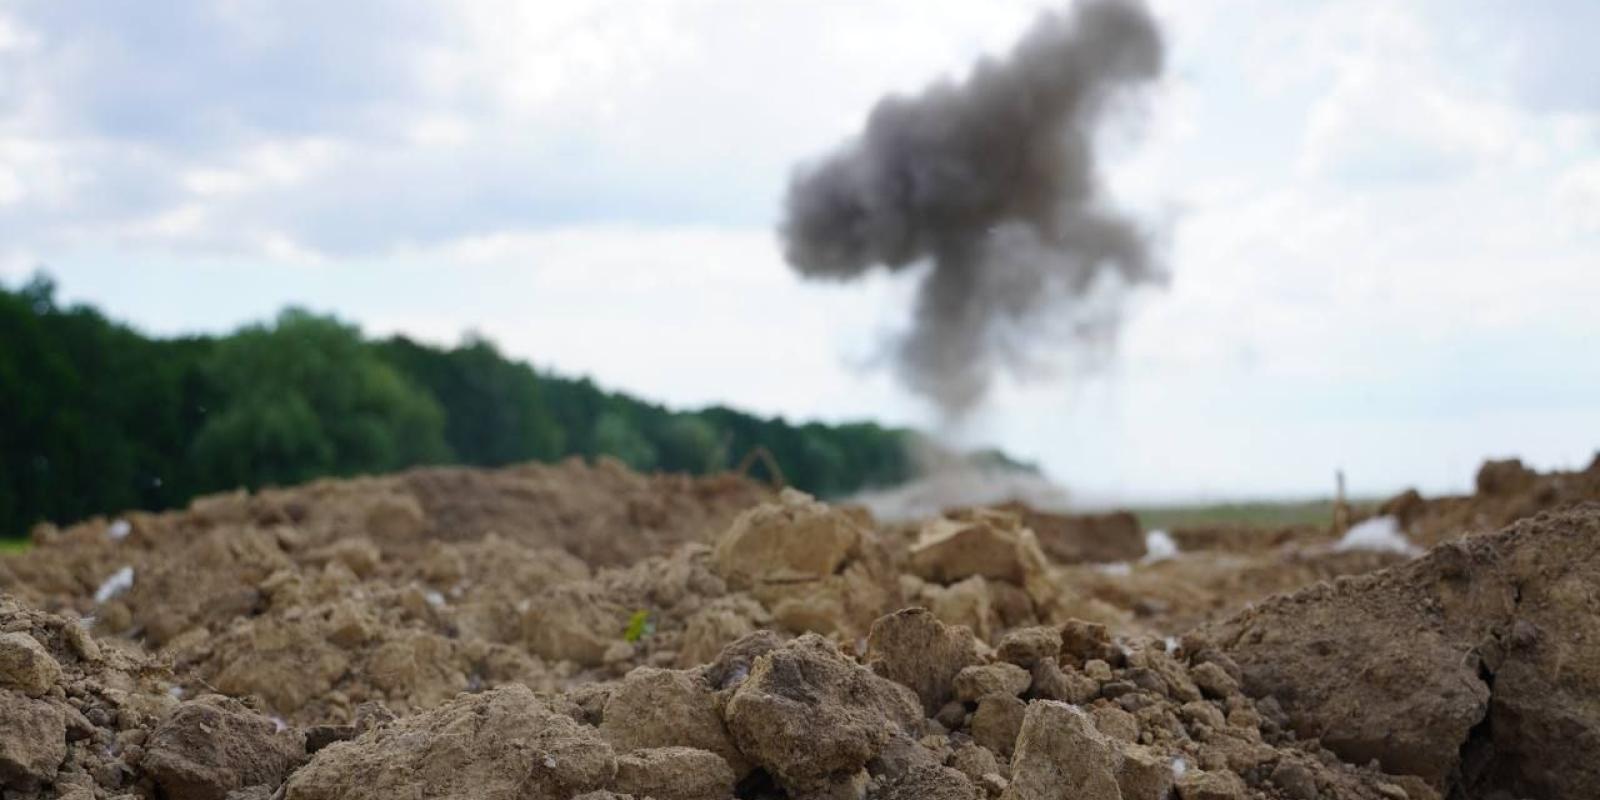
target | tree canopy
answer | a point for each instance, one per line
(96, 417)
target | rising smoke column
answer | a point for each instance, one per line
(991, 181)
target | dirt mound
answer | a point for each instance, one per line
(1076, 538)
(1476, 667)
(577, 630)
(87, 719)
(1506, 492)
(805, 720)
(600, 514)
(1171, 596)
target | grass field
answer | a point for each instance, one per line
(13, 545)
(1265, 514)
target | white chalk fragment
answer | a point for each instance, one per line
(1379, 534)
(119, 582)
(1159, 546)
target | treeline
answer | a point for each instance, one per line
(95, 417)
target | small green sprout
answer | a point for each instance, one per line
(639, 626)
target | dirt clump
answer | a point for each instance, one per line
(793, 539)
(109, 723)
(1027, 647)
(655, 708)
(813, 718)
(1060, 754)
(35, 741)
(913, 648)
(1083, 538)
(977, 682)
(26, 666)
(1473, 667)
(1504, 477)
(981, 542)
(504, 743)
(814, 567)
(211, 746)
(674, 773)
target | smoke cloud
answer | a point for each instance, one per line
(993, 183)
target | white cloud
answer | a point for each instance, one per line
(376, 128)
(1381, 217)
(10, 186)
(1579, 190)
(271, 165)
(1394, 112)
(13, 37)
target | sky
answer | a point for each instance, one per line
(1380, 221)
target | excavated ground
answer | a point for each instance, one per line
(583, 631)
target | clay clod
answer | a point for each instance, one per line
(810, 716)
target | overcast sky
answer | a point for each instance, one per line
(1381, 220)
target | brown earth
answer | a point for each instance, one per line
(583, 631)
(1476, 666)
(1506, 492)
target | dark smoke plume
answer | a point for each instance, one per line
(993, 182)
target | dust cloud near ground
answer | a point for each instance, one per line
(580, 630)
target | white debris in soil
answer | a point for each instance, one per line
(176, 691)
(1159, 546)
(1117, 568)
(119, 530)
(278, 725)
(550, 762)
(1380, 534)
(1179, 767)
(434, 598)
(119, 582)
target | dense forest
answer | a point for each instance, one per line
(96, 417)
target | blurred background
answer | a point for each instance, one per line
(245, 243)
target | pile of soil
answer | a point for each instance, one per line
(1507, 491)
(1476, 666)
(583, 631)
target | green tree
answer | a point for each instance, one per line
(93, 416)
(96, 418)
(616, 436)
(494, 410)
(689, 443)
(307, 397)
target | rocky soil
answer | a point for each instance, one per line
(582, 631)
